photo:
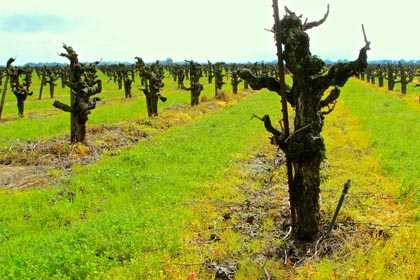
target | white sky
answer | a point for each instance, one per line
(215, 30)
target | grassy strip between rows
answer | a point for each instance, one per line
(372, 138)
(129, 216)
(383, 244)
(123, 216)
(394, 130)
(109, 111)
(374, 201)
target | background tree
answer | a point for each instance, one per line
(51, 76)
(380, 75)
(2, 74)
(141, 67)
(127, 86)
(83, 84)
(371, 75)
(20, 90)
(235, 81)
(405, 77)
(390, 76)
(181, 77)
(4, 90)
(305, 147)
(127, 74)
(153, 76)
(210, 72)
(218, 77)
(41, 72)
(196, 73)
(63, 74)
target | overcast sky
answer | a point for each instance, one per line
(215, 30)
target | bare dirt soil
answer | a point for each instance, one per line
(26, 164)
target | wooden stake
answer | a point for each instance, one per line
(365, 38)
(285, 113)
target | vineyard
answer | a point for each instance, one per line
(191, 170)
(197, 190)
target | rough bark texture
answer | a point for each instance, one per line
(305, 146)
(83, 83)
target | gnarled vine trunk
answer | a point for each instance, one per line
(195, 86)
(83, 84)
(153, 81)
(305, 146)
(20, 90)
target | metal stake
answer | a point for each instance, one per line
(337, 210)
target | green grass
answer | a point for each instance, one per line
(109, 92)
(128, 211)
(376, 198)
(129, 215)
(113, 109)
(394, 130)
